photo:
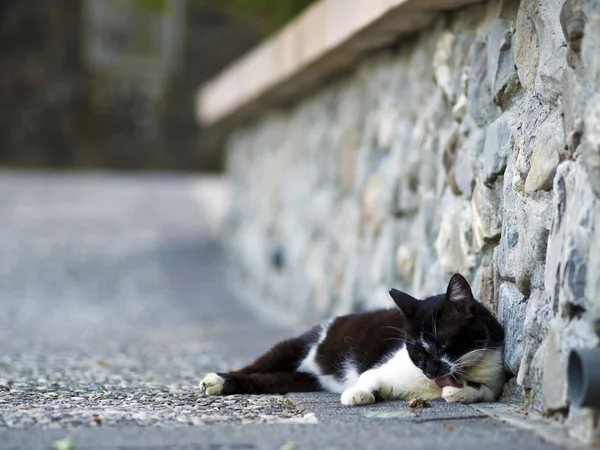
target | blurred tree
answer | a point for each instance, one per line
(268, 15)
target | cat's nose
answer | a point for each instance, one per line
(433, 369)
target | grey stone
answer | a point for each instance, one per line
(512, 216)
(554, 384)
(490, 284)
(453, 243)
(452, 49)
(405, 261)
(533, 232)
(512, 392)
(533, 354)
(582, 425)
(554, 252)
(592, 283)
(590, 42)
(382, 262)
(526, 45)
(480, 105)
(553, 51)
(501, 65)
(540, 50)
(463, 172)
(545, 158)
(570, 241)
(575, 275)
(487, 213)
(450, 148)
(512, 309)
(590, 152)
(377, 201)
(572, 23)
(498, 145)
(572, 112)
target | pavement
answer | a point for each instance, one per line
(114, 301)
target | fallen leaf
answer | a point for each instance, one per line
(64, 444)
(417, 403)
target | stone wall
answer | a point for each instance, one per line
(473, 147)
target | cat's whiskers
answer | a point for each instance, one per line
(463, 363)
(402, 333)
(434, 323)
(470, 356)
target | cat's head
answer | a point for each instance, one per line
(446, 334)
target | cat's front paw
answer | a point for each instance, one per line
(355, 396)
(212, 384)
(459, 395)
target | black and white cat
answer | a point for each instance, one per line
(447, 346)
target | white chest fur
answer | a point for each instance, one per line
(398, 377)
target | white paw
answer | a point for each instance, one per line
(461, 395)
(212, 384)
(355, 396)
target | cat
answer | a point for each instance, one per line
(447, 346)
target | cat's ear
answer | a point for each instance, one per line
(405, 302)
(459, 296)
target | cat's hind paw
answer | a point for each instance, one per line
(355, 396)
(212, 384)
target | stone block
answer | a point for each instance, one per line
(589, 47)
(582, 423)
(590, 151)
(554, 383)
(377, 201)
(533, 229)
(405, 261)
(382, 260)
(512, 216)
(572, 112)
(512, 307)
(592, 283)
(386, 125)
(490, 284)
(453, 243)
(540, 50)
(487, 213)
(449, 60)
(553, 51)
(526, 53)
(533, 354)
(501, 65)
(480, 104)
(572, 23)
(498, 144)
(512, 392)
(570, 241)
(546, 156)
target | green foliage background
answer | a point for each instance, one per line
(267, 15)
